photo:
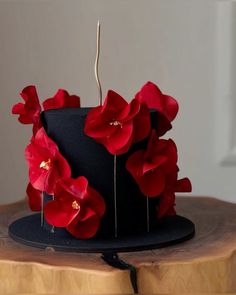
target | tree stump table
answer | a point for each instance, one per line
(205, 264)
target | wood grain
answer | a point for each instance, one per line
(205, 264)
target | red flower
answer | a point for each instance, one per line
(34, 198)
(118, 124)
(149, 168)
(46, 164)
(30, 111)
(166, 106)
(76, 206)
(166, 205)
(62, 99)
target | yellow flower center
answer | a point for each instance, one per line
(75, 205)
(116, 123)
(45, 164)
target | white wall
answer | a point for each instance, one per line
(175, 43)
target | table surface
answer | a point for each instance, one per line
(206, 263)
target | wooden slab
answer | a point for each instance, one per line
(207, 263)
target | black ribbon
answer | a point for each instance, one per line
(113, 259)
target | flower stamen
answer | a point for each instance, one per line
(45, 164)
(75, 205)
(116, 123)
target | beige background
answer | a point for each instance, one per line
(175, 43)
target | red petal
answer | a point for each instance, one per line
(153, 169)
(36, 126)
(95, 126)
(166, 205)
(162, 148)
(171, 181)
(113, 103)
(84, 222)
(18, 108)
(30, 93)
(117, 138)
(171, 107)
(151, 95)
(34, 198)
(134, 164)
(121, 136)
(32, 105)
(62, 99)
(162, 125)
(129, 111)
(166, 106)
(95, 201)
(152, 184)
(84, 229)
(41, 139)
(120, 140)
(34, 156)
(142, 124)
(153, 145)
(60, 213)
(25, 119)
(48, 181)
(168, 148)
(39, 179)
(183, 185)
(30, 111)
(172, 150)
(42, 148)
(156, 161)
(76, 188)
(112, 149)
(60, 168)
(73, 102)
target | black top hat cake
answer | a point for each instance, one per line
(103, 179)
(108, 178)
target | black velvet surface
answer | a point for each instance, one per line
(90, 159)
(171, 230)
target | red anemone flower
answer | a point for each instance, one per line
(165, 105)
(29, 112)
(34, 198)
(118, 124)
(46, 164)
(62, 99)
(76, 206)
(166, 205)
(149, 168)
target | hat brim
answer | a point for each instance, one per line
(170, 231)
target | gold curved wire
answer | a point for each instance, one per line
(96, 64)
